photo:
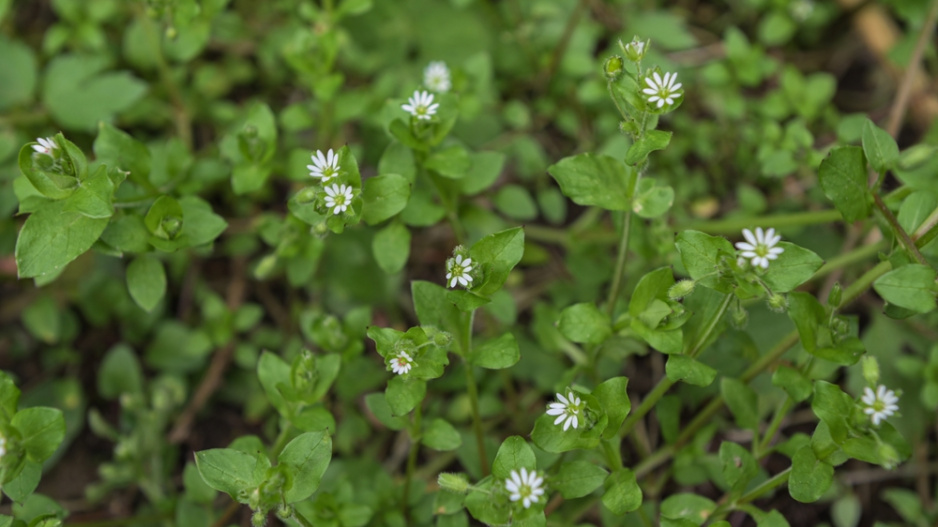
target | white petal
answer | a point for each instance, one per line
(750, 238)
(677, 86)
(566, 425)
(749, 254)
(560, 419)
(575, 422)
(511, 485)
(660, 103)
(555, 411)
(745, 246)
(651, 85)
(658, 79)
(650, 91)
(563, 399)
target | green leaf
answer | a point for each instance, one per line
(20, 487)
(398, 159)
(796, 385)
(46, 180)
(833, 407)
(739, 466)
(165, 218)
(119, 373)
(43, 319)
(742, 402)
(404, 395)
(384, 196)
(201, 224)
(496, 255)
(910, 286)
(127, 233)
(793, 267)
(53, 237)
(378, 405)
(434, 309)
(78, 93)
(810, 477)
(451, 162)
(652, 200)
(648, 143)
(686, 506)
(812, 321)
(41, 429)
(843, 178)
(391, 247)
(689, 370)
(576, 479)
(585, 323)
(19, 73)
(94, 197)
(440, 435)
(496, 354)
(146, 281)
(880, 148)
(613, 397)
(701, 255)
(228, 470)
(274, 374)
(622, 493)
(117, 148)
(600, 181)
(515, 202)
(513, 454)
(308, 456)
(484, 169)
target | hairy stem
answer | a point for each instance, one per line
(620, 263)
(473, 390)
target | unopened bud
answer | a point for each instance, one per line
(833, 299)
(613, 67)
(171, 226)
(453, 482)
(265, 267)
(778, 303)
(258, 519)
(284, 511)
(870, 370)
(441, 339)
(307, 195)
(681, 289)
(739, 318)
(634, 50)
(888, 457)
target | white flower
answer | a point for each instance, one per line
(801, 9)
(526, 486)
(457, 270)
(421, 105)
(662, 91)
(760, 247)
(638, 48)
(567, 410)
(3, 446)
(338, 198)
(436, 76)
(402, 363)
(879, 405)
(46, 145)
(325, 167)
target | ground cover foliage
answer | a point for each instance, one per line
(461, 262)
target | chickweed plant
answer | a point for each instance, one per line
(355, 263)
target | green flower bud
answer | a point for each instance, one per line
(258, 519)
(613, 67)
(265, 267)
(284, 511)
(870, 370)
(778, 303)
(739, 318)
(634, 50)
(320, 229)
(453, 482)
(171, 226)
(888, 456)
(681, 289)
(307, 195)
(833, 299)
(441, 339)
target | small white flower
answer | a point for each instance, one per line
(46, 145)
(3, 446)
(436, 76)
(638, 48)
(324, 167)
(879, 405)
(338, 197)
(662, 91)
(421, 105)
(567, 410)
(801, 9)
(526, 486)
(760, 247)
(402, 363)
(457, 271)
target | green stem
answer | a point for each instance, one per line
(620, 263)
(450, 206)
(281, 440)
(762, 448)
(898, 230)
(182, 119)
(735, 225)
(927, 231)
(415, 433)
(665, 384)
(302, 519)
(613, 457)
(854, 256)
(473, 390)
(863, 283)
(779, 479)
